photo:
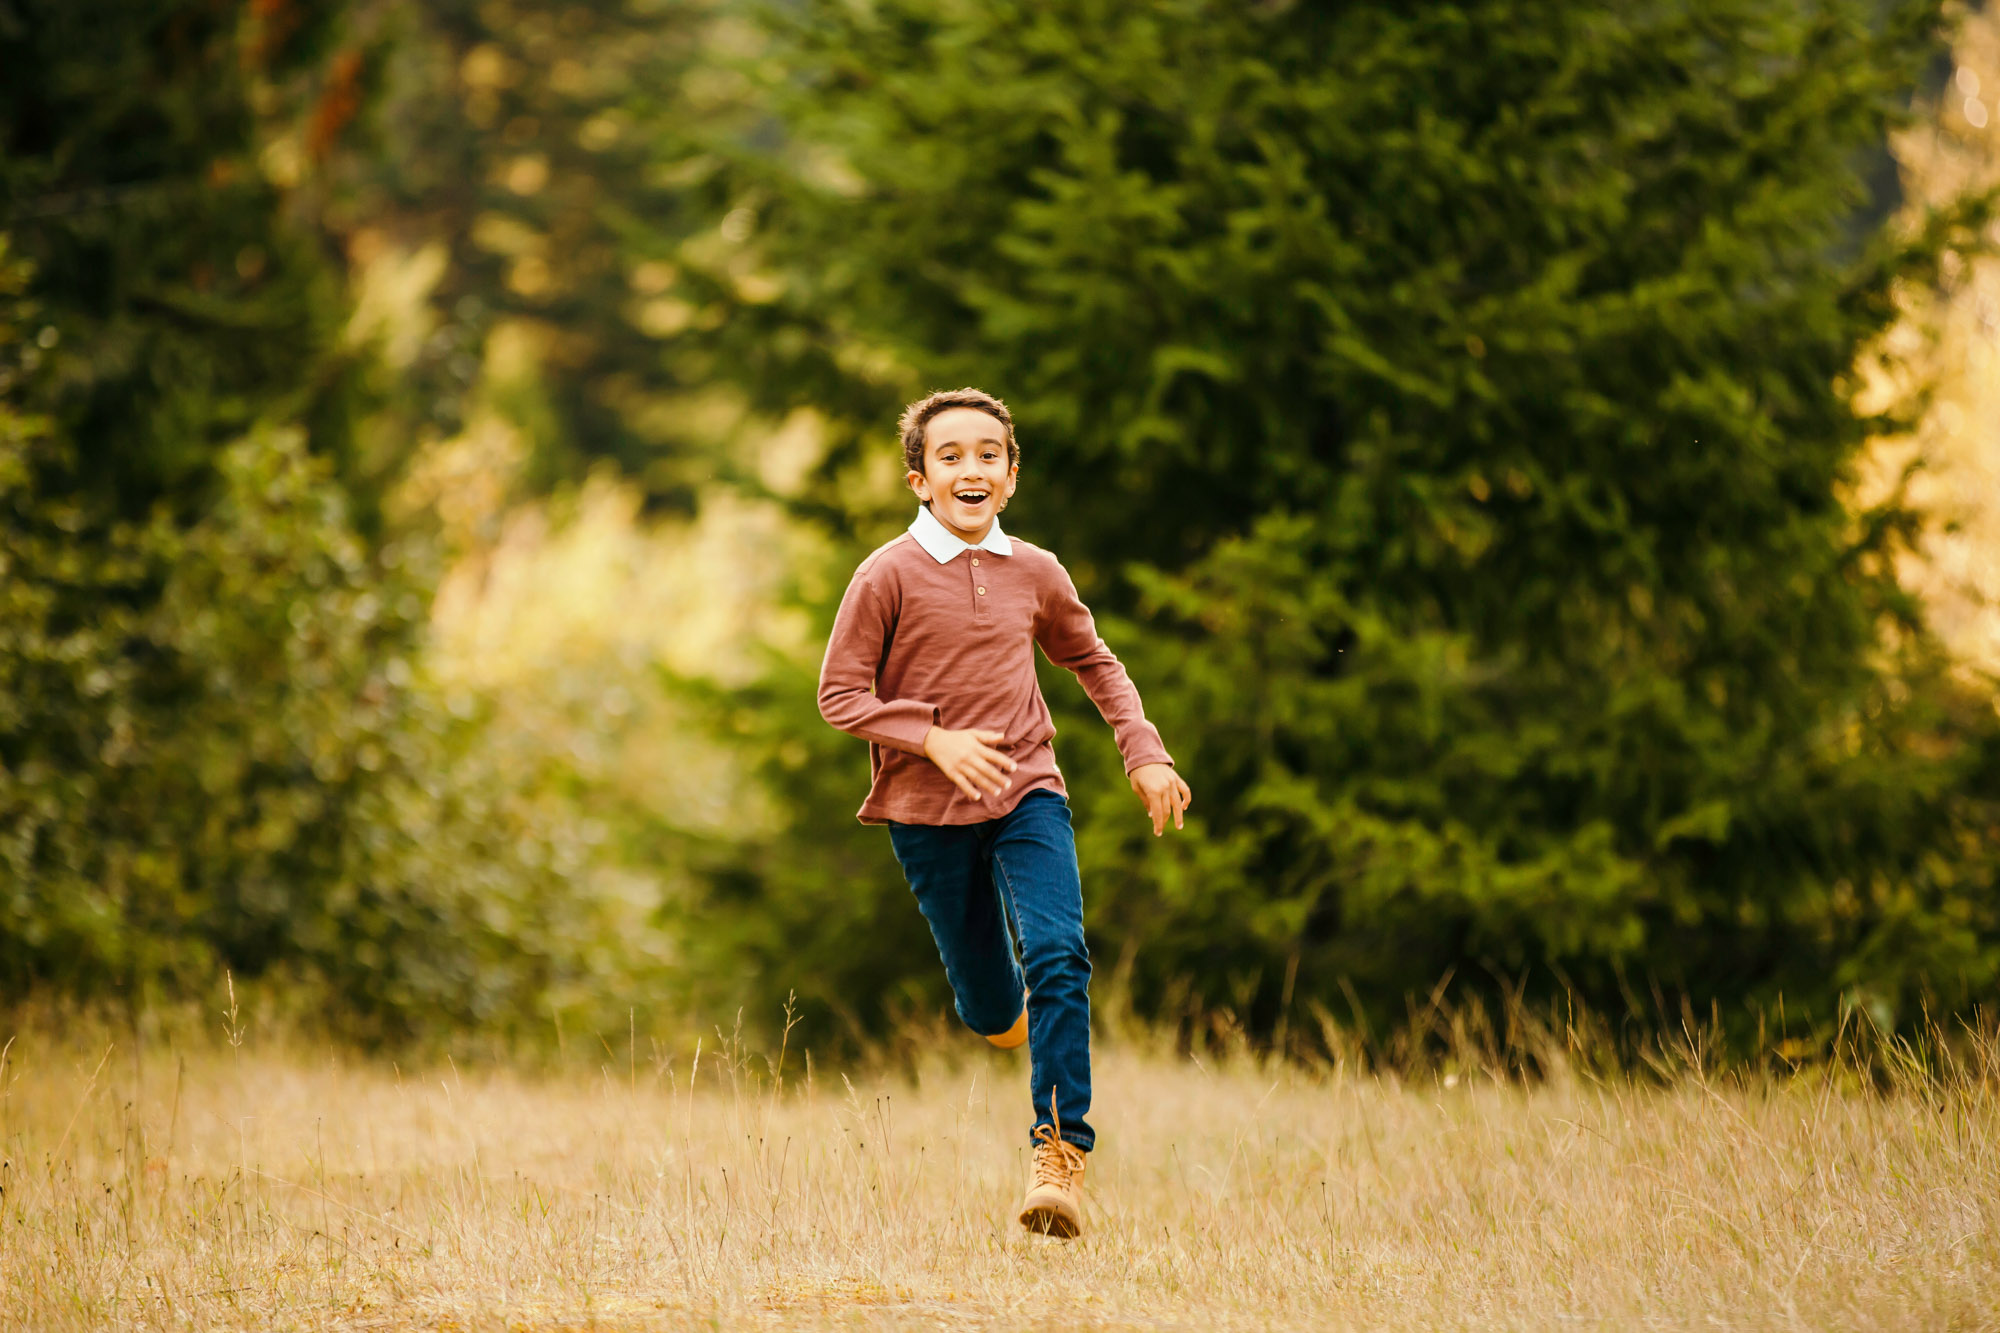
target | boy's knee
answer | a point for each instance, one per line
(989, 1019)
(1065, 961)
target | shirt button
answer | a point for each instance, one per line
(975, 561)
(982, 592)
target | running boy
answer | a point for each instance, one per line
(932, 662)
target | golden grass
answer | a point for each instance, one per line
(212, 1187)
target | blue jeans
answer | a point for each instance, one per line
(983, 887)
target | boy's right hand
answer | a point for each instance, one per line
(969, 760)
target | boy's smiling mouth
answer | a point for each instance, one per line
(968, 508)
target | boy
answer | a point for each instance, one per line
(932, 662)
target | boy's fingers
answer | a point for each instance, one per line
(993, 782)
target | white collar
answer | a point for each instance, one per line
(943, 545)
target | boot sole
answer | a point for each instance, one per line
(1050, 1222)
(1013, 1038)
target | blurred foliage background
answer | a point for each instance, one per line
(1536, 461)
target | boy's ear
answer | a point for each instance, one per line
(916, 482)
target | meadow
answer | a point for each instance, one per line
(251, 1182)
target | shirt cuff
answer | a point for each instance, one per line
(904, 724)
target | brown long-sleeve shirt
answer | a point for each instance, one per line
(920, 642)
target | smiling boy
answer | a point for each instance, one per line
(932, 662)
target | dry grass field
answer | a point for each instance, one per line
(266, 1186)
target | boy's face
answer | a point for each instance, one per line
(966, 477)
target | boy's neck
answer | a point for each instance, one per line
(969, 538)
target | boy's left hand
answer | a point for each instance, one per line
(1165, 795)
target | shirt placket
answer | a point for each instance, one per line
(978, 571)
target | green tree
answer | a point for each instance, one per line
(217, 743)
(560, 159)
(1449, 404)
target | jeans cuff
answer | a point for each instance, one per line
(1088, 1143)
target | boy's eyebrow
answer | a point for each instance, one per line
(954, 444)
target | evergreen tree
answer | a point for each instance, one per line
(556, 159)
(1450, 406)
(217, 746)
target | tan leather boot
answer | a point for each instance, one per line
(1054, 1206)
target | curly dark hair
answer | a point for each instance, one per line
(917, 417)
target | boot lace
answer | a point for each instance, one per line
(1056, 1160)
